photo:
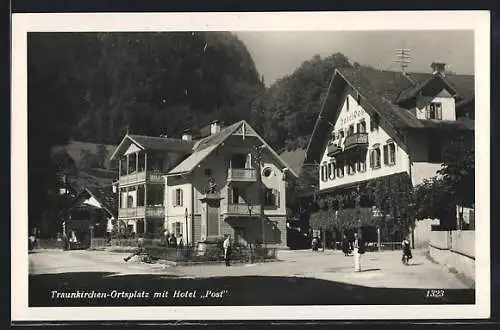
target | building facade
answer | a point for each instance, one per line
(228, 180)
(375, 124)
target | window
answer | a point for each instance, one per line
(347, 103)
(390, 154)
(351, 130)
(271, 197)
(177, 229)
(375, 158)
(331, 171)
(238, 161)
(361, 164)
(340, 169)
(177, 199)
(341, 134)
(267, 172)
(323, 173)
(374, 123)
(208, 171)
(361, 127)
(433, 111)
(235, 195)
(130, 201)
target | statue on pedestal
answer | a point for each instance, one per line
(212, 186)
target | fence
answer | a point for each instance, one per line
(212, 254)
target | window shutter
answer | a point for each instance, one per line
(277, 197)
(386, 158)
(181, 202)
(229, 195)
(427, 112)
(438, 111)
(174, 195)
(371, 159)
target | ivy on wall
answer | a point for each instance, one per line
(352, 207)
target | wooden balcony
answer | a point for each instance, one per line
(142, 212)
(140, 177)
(241, 210)
(333, 150)
(356, 140)
(242, 175)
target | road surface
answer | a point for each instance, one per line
(299, 277)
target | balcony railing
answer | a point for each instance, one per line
(242, 174)
(356, 140)
(242, 209)
(155, 211)
(333, 149)
(138, 177)
(141, 212)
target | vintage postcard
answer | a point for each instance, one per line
(250, 166)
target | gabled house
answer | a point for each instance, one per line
(203, 187)
(92, 207)
(379, 123)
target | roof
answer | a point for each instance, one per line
(294, 158)
(153, 143)
(380, 90)
(106, 198)
(204, 147)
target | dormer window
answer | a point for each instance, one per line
(434, 111)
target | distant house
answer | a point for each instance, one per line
(204, 186)
(94, 207)
(375, 124)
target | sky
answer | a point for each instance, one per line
(278, 53)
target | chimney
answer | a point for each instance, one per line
(438, 67)
(186, 135)
(215, 127)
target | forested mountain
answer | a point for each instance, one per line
(287, 110)
(93, 87)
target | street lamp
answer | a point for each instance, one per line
(187, 234)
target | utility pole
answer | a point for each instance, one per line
(257, 154)
(404, 58)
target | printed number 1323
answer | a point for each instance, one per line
(434, 294)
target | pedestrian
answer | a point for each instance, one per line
(138, 251)
(180, 243)
(346, 245)
(315, 243)
(359, 249)
(406, 251)
(227, 250)
(172, 241)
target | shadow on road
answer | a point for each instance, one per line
(229, 291)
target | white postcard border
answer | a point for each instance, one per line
(479, 21)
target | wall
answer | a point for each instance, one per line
(447, 105)
(455, 250)
(177, 213)
(422, 233)
(352, 116)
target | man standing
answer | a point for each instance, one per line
(358, 251)
(227, 249)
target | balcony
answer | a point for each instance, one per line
(141, 212)
(140, 177)
(211, 197)
(356, 140)
(242, 175)
(242, 210)
(332, 150)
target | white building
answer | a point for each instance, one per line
(380, 123)
(204, 187)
